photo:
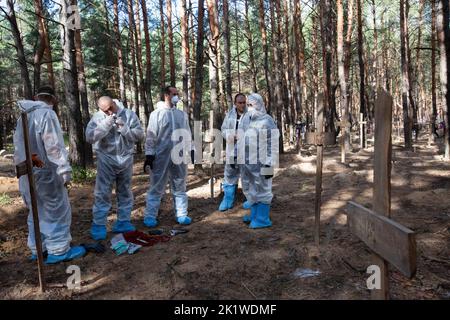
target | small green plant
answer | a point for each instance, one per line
(5, 199)
(81, 175)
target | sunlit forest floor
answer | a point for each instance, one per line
(220, 258)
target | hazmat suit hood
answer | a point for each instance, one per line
(255, 105)
(31, 105)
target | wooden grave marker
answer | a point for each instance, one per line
(390, 241)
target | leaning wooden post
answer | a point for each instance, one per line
(211, 139)
(382, 177)
(319, 162)
(29, 172)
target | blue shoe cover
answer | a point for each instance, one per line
(98, 232)
(228, 198)
(73, 253)
(184, 220)
(123, 226)
(34, 256)
(262, 217)
(249, 217)
(246, 205)
(150, 222)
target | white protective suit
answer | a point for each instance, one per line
(163, 122)
(115, 149)
(261, 152)
(46, 140)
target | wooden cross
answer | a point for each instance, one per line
(320, 139)
(362, 131)
(26, 168)
(390, 241)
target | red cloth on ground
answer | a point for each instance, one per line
(145, 240)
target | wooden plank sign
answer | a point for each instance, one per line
(312, 138)
(389, 239)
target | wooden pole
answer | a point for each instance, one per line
(319, 162)
(211, 139)
(382, 178)
(37, 231)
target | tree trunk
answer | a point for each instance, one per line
(362, 77)
(123, 95)
(227, 53)
(170, 34)
(325, 22)
(251, 53)
(213, 60)
(162, 46)
(199, 67)
(39, 54)
(185, 55)
(139, 64)
(433, 116)
(407, 121)
(345, 143)
(24, 74)
(267, 73)
(83, 91)
(148, 64)
(76, 138)
(134, 82)
(277, 67)
(443, 33)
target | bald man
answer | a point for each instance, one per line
(113, 130)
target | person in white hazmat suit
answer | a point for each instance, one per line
(114, 130)
(261, 155)
(235, 122)
(51, 178)
(168, 131)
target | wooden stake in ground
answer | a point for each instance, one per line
(390, 241)
(26, 167)
(211, 140)
(319, 162)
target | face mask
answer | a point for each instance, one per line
(251, 109)
(175, 100)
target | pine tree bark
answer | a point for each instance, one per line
(170, 35)
(362, 77)
(267, 73)
(407, 114)
(251, 51)
(82, 87)
(120, 63)
(185, 56)
(162, 45)
(213, 60)
(227, 53)
(443, 33)
(198, 95)
(148, 64)
(138, 37)
(75, 125)
(433, 116)
(21, 58)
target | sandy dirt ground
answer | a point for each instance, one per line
(221, 258)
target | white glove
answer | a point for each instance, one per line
(66, 177)
(119, 122)
(109, 121)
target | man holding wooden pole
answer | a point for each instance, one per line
(51, 175)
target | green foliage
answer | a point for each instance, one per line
(81, 175)
(5, 199)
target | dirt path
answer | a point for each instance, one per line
(220, 258)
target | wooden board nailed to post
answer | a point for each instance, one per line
(390, 241)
